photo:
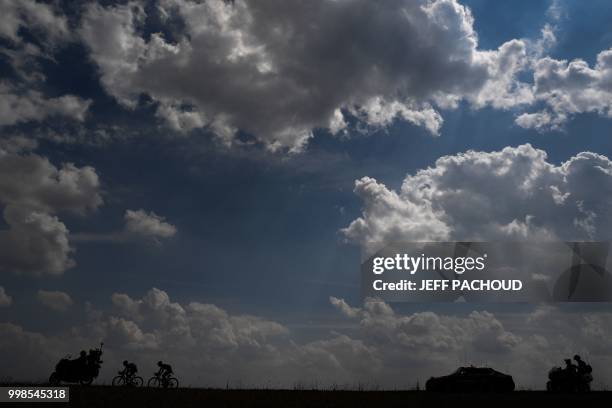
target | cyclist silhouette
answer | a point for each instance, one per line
(128, 376)
(165, 370)
(129, 369)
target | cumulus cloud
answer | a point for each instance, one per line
(267, 70)
(568, 88)
(32, 181)
(17, 144)
(209, 346)
(148, 225)
(340, 359)
(30, 105)
(29, 14)
(204, 325)
(22, 350)
(36, 243)
(514, 193)
(126, 333)
(344, 307)
(139, 226)
(202, 341)
(243, 70)
(55, 300)
(431, 336)
(32, 32)
(5, 299)
(33, 190)
(198, 337)
(429, 343)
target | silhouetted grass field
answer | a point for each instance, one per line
(115, 397)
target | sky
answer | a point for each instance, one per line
(195, 181)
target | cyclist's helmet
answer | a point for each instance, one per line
(159, 363)
(124, 362)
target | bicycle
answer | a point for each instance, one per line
(130, 381)
(158, 381)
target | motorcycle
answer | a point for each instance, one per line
(81, 370)
(561, 380)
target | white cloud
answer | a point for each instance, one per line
(32, 181)
(36, 243)
(23, 350)
(422, 344)
(139, 225)
(34, 30)
(32, 191)
(5, 299)
(179, 119)
(377, 112)
(376, 344)
(126, 333)
(341, 305)
(512, 193)
(148, 225)
(198, 337)
(430, 335)
(40, 17)
(17, 107)
(55, 300)
(388, 217)
(568, 88)
(17, 144)
(271, 72)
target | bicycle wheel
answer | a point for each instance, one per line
(137, 381)
(118, 380)
(153, 382)
(172, 382)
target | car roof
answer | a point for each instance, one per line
(473, 369)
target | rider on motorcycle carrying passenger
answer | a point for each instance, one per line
(582, 367)
(570, 368)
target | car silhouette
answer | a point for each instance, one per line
(472, 379)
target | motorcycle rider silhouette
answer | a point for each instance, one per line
(572, 378)
(83, 369)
